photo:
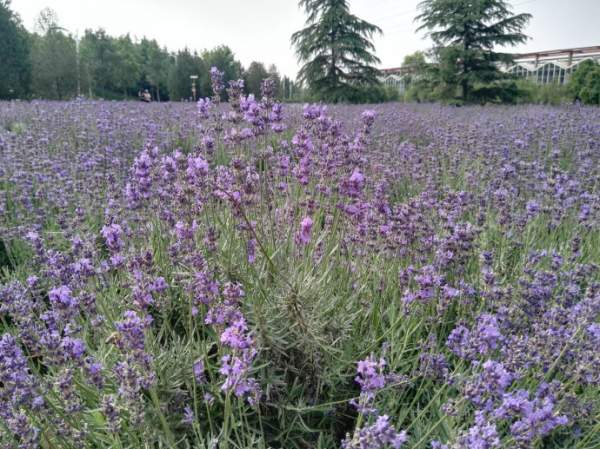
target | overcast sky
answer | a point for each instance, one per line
(260, 29)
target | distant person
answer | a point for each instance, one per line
(146, 97)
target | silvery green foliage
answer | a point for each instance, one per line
(259, 275)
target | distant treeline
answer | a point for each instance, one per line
(462, 67)
(423, 85)
(51, 63)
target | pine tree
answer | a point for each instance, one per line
(254, 76)
(276, 77)
(336, 49)
(467, 31)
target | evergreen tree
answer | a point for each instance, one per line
(180, 85)
(273, 73)
(15, 66)
(336, 49)
(286, 84)
(466, 32)
(254, 76)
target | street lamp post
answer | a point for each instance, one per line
(194, 78)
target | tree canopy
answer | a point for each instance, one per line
(585, 82)
(15, 66)
(337, 50)
(52, 63)
(54, 59)
(254, 76)
(187, 64)
(223, 58)
(466, 33)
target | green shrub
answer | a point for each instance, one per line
(550, 94)
(585, 83)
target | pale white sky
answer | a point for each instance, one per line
(260, 29)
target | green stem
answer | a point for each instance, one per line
(161, 417)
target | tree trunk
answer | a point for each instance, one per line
(465, 89)
(465, 80)
(332, 67)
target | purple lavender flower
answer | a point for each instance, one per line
(368, 118)
(491, 383)
(354, 184)
(112, 236)
(483, 435)
(131, 330)
(61, 298)
(198, 370)
(371, 379)
(303, 236)
(17, 390)
(197, 169)
(533, 418)
(236, 335)
(459, 340)
(251, 250)
(484, 338)
(188, 416)
(112, 414)
(236, 370)
(73, 348)
(379, 435)
(487, 336)
(216, 79)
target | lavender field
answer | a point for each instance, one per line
(249, 274)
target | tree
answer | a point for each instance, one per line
(416, 60)
(15, 68)
(155, 65)
(46, 20)
(53, 60)
(415, 66)
(254, 76)
(584, 84)
(222, 58)
(100, 64)
(336, 49)
(276, 77)
(118, 67)
(127, 67)
(465, 33)
(420, 76)
(286, 87)
(185, 65)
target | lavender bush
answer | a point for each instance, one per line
(252, 275)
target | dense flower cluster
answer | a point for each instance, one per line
(379, 435)
(217, 274)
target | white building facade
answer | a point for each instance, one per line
(552, 67)
(544, 67)
(398, 78)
